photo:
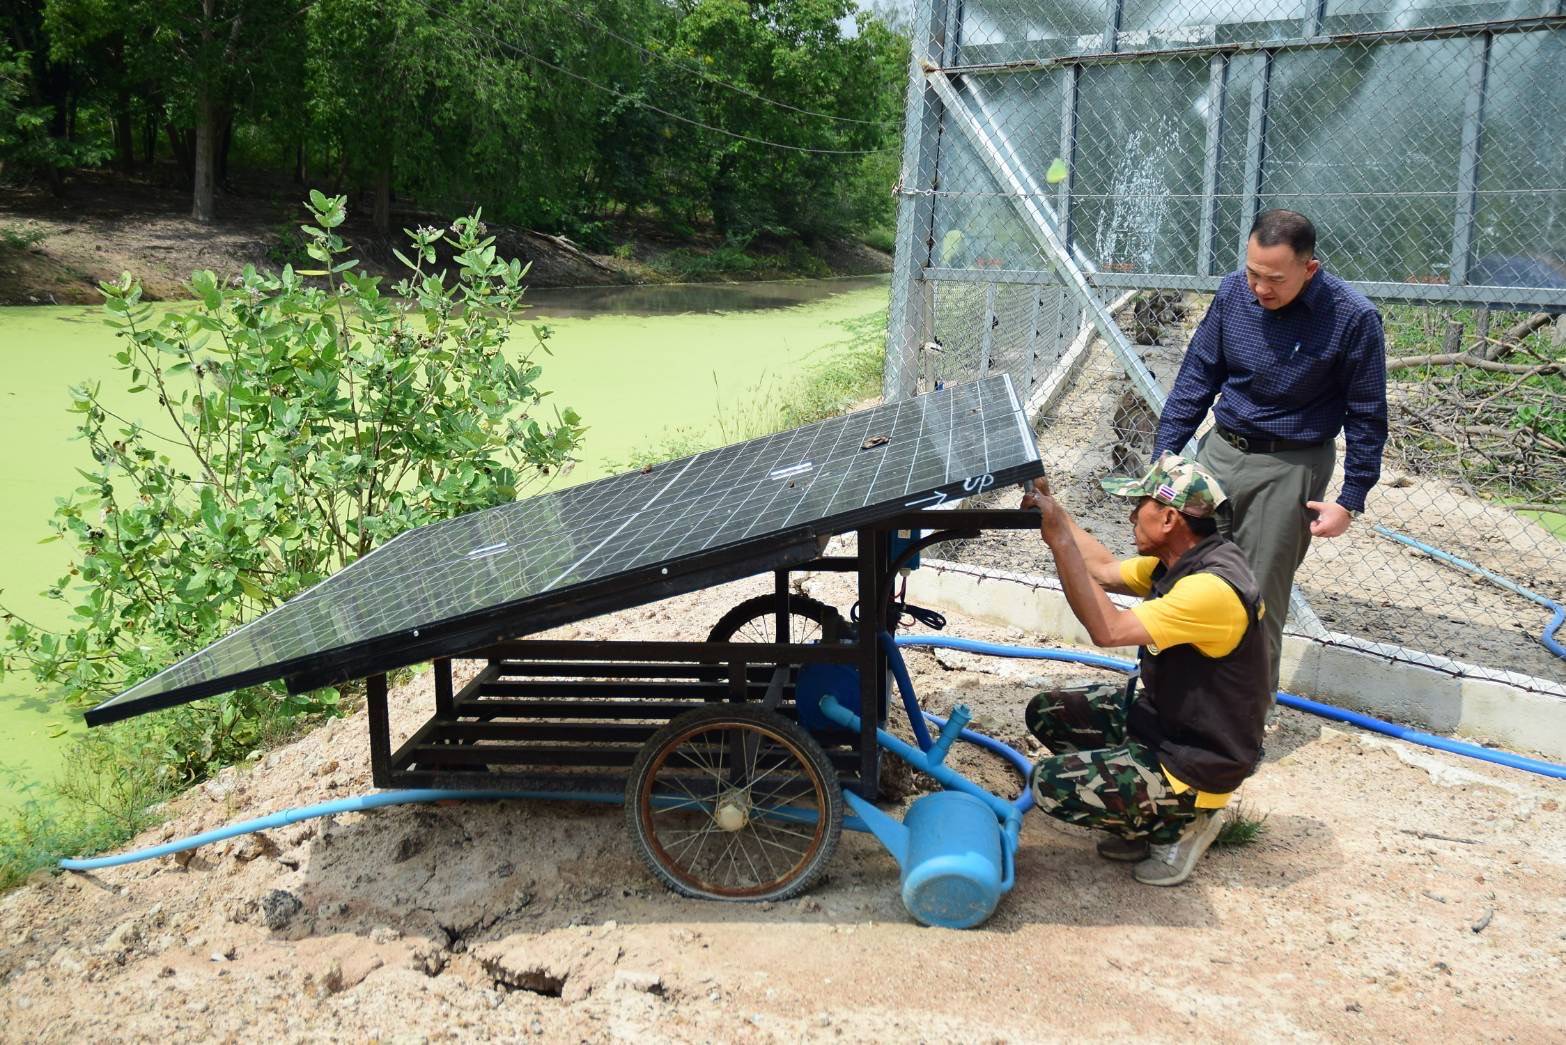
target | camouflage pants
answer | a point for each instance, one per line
(1096, 775)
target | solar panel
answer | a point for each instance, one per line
(518, 568)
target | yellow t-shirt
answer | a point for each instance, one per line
(1201, 609)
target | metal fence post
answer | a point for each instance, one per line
(909, 318)
(1468, 160)
(1315, 16)
(1217, 83)
(1068, 146)
(1255, 147)
(1112, 25)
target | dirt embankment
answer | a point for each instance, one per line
(1397, 894)
(105, 225)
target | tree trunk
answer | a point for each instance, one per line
(381, 214)
(203, 208)
(149, 138)
(124, 134)
(184, 158)
(226, 141)
(301, 167)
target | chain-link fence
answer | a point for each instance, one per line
(1428, 144)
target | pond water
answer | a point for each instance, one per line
(635, 362)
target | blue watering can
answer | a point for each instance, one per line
(956, 847)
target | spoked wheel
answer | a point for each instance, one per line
(755, 620)
(734, 802)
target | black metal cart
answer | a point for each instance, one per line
(732, 779)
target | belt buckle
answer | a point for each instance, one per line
(1241, 443)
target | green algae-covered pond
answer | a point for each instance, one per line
(635, 362)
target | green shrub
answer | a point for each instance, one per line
(287, 245)
(696, 266)
(21, 237)
(305, 417)
(882, 239)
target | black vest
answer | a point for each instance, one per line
(1203, 716)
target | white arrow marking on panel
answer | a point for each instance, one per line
(938, 497)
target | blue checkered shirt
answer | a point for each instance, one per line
(1306, 372)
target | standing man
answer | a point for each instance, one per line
(1294, 355)
(1154, 772)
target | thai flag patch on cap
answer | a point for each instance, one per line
(1166, 492)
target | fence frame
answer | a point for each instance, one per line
(946, 94)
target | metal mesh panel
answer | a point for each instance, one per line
(1427, 141)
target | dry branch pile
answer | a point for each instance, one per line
(1488, 410)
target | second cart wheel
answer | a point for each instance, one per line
(734, 802)
(755, 620)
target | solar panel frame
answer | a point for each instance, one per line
(773, 539)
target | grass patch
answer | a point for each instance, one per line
(697, 266)
(1240, 827)
(114, 781)
(884, 240)
(670, 444)
(738, 259)
(21, 237)
(1553, 521)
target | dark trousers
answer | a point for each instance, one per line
(1266, 516)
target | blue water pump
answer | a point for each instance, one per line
(956, 847)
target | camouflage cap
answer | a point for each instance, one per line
(1183, 485)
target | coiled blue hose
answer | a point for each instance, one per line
(1288, 700)
(1548, 638)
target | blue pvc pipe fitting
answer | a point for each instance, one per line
(954, 727)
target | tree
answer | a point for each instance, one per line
(302, 425)
(780, 74)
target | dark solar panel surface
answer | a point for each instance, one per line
(820, 479)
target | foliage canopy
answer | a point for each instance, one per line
(303, 418)
(757, 115)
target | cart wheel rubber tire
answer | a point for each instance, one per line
(762, 609)
(816, 841)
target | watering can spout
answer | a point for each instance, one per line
(889, 832)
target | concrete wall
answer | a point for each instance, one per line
(1507, 709)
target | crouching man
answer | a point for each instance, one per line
(1154, 771)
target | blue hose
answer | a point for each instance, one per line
(1288, 700)
(1456, 747)
(995, 649)
(343, 805)
(1021, 762)
(894, 660)
(1551, 629)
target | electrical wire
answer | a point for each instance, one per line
(697, 71)
(606, 89)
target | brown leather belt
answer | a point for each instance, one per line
(1252, 445)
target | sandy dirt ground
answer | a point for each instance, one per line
(1396, 894)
